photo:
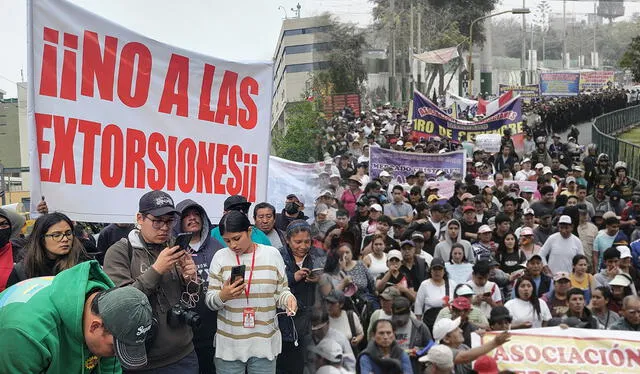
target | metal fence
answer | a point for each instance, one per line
(605, 132)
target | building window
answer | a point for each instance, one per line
(3, 124)
(299, 68)
(306, 48)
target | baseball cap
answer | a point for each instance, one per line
(444, 326)
(546, 170)
(335, 296)
(469, 208)
(499, 313)
(401, 305)
(439, 355)
(407, 242)
(390, 293)
(384, 173)
(299, 197)
(329, 350)
(539, 166)
(437, 262)
(561, 275)
(620, 280)
(376, 207)
(570, 180)
(237, 202)
(465, 196)
(526, 160)
(417, 235)
(564, 219)
(484, 228)
(529, 211)
(461, 303)
(526, 231)
(625, 252)
(433, 198)
(609, 215)
(126, 314)
(535, 257)
(394, 253)
(485, 365)
(464, 290)
(156, 203)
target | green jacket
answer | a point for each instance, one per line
(41, 323)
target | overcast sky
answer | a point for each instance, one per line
(229, 29)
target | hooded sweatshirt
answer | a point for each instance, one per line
(208, 246)
(41, 323)
(443, 249)
(6, 253)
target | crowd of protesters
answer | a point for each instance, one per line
(387, 276)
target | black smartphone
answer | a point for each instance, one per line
(183, 239)
(237, 272)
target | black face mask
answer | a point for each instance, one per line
(5, 235)
(291, 208)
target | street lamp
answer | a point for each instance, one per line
(512, 11)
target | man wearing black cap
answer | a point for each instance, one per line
(411, 334)
(148, 261)
(73, 323)
(240, 203)
(293, 210)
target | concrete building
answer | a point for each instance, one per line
(9, 132)
(302, 48)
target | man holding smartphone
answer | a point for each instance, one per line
(147, 261)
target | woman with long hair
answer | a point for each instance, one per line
(50, 249)
(247, 338)
(434, 293)
(457, 256)
(526, 309)
(376, 261)
(600, 299)
(509, 255)
(581, 278)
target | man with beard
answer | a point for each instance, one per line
(194, 220)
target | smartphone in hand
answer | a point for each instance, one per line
(182, 240)
(237, 272)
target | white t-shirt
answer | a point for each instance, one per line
(342, 324)
(491, 287)
(522, 311)
(561, 252)
(431, 296)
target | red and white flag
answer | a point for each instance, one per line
(487, 108)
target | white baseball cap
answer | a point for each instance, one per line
(546, 170)
(329, 350)
(444, 326)
(376, 207)
(539, 166)
(564, 219)
(384, 173)
(625, 252)
(439, 355)
(394, 253)
(484, 228)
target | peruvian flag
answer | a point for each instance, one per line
(487, 108)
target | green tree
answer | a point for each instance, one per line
(298, 143)
(631, 58)
(346, 69)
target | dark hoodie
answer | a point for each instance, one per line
(282, 220)
(202, 336)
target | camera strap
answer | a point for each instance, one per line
(253, 262)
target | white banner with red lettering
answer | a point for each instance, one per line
(553, 350)
(114, 114)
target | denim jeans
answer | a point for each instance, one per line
(254, 365)
(187, 365)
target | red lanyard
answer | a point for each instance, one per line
(253, 262)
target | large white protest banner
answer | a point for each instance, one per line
(114, 114)
(290, 177)
(553, 350)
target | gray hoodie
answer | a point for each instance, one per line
(443, 249)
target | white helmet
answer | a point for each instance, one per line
(620, 165)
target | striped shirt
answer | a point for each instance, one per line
(269, 289)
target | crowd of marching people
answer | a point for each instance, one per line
(387, 276)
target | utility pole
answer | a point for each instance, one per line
(594, 57)
(564, 34)
(523, 73)
(296, 10)
(392, 65)
(410, 86)
(419, 49)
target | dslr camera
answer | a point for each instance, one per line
(179, 314)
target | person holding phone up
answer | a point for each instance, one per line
(247, 337)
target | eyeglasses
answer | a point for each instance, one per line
(158, 224)
(4, 225)
(57, 236)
